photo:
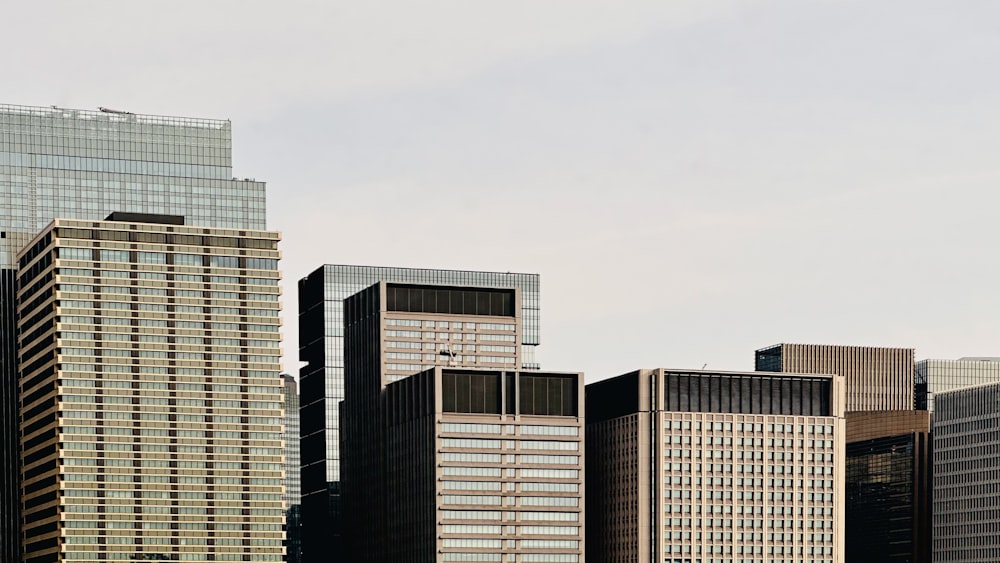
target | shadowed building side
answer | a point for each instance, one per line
(889, 486)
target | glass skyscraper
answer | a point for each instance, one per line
(966, 469)
(937, 376)
(57, 162)
(321, 380)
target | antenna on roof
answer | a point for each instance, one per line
(117, 111)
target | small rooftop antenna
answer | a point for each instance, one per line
(703, 367)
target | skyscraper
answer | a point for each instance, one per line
(57, 162)
(966, 466)
(889, 486)
(936, 376)
(321, 380)
(392, 331)
(293, 492)
(150, 396)
(889, 464)
(484, 465)
(686, 467)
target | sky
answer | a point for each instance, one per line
(693, 180)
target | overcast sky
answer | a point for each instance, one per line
(692, 179)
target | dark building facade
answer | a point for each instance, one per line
(321, 379)
(889, 487)
(293, 492)
(10, 456)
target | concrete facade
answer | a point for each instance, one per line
(151, 418)
(450, 453)
(715, 467)
(504, 485)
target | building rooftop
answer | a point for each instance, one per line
(113, 116)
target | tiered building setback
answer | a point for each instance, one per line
(151, 403)
(470, 459)
(715, 467)
(321, 347)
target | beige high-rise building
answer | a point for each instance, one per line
(877, 378)
(484, 465)
(449, 452)
(715, 467)
(150, 394)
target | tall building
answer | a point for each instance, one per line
(889, 486)
(935, 376)
(434, 465)
(57, 162)
(877, 379)
(966, 469)
(713, 467)
(484, 465)
(150, 397)
(391, 331)
(293, 492)
(880, 400)
(321, 346)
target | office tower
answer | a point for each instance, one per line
(880, 394)
(391, 331)
(966, 469)
(935, 376)
(293, 493)
(877, 379)
(712, 467)
(57, 162)
(150, 396)
(321, 346)
(396, 430)
(889, 486)
(484, 465)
